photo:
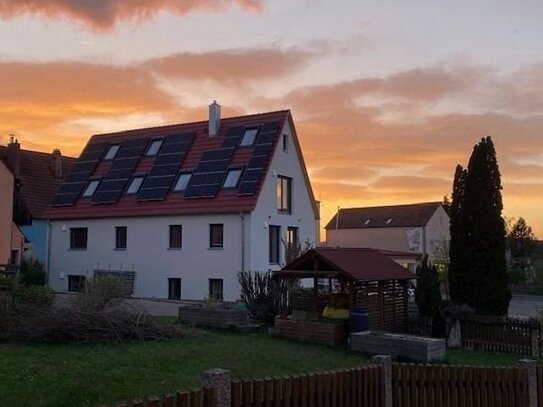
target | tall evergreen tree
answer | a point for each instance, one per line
(428, 296)
(478, 273)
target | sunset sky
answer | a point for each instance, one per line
(387, 96)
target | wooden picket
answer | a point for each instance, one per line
(462, 386)
(500, 335)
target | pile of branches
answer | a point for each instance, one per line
(99, 314)
(261, 294)
(85, 325)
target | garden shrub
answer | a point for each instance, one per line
(32, 272)
(261, 294)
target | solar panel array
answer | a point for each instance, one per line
(122, 167)
(169, 159)
(207, 178)
(73, 185)
(261, 152)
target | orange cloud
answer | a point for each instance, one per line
(232, 66)
(102, 15)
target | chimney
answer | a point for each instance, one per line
(56, 163)
(13, 156)
(214, 118)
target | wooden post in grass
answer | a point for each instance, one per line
(385, 361)
(220, 381)
(531, 369)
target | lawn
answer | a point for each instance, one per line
(87, 375)
(481, 358)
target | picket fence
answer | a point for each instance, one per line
(405, 385)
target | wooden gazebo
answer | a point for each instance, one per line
(368, 278)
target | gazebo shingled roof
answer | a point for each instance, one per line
(356, 264)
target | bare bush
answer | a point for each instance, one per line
(96, 315)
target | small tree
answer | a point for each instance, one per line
(32, 272)
(521, 242)
(428, 296)
(261, 294)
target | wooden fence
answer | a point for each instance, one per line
(462, 386)
(397, 385)
(502, 335)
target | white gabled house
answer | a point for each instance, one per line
(177, 211)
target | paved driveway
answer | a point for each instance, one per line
(525, 306)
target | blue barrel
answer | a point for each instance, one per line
(359, 320)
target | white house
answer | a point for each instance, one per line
(177, 211)
(421, 229)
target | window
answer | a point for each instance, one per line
(249, 136)
(176, 236)
(91, 188)
(216, 235)
(182, 182)
(174, 288)
(78, 238)
(284, 194)
(154, 147)
(112, 152)
(14, 257)
(285, 142)
(135, 185)
(76, 283)
(232, 178)
(216, 289)
(292, 236)
(274, 242)
(120, 237)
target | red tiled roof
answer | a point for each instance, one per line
(226, 201)
(359, 264)
(410, 215)
(38, 183)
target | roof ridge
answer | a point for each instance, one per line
(24, 150)
(199, 122)
(392, 206)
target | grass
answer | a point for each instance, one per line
(481, 358)
(88, 375)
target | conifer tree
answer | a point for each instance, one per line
(478, 273)
(428, 295)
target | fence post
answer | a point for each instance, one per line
(219, 380)
(531, 369)
(385, 361)
(534, 336)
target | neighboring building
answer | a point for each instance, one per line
(6, 212)
(177, 211)
(36, 177)
(415, 228)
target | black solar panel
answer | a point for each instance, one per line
(262, 150)
(251, 175)
(257, 162)
(77, 177)
(271, 126)
(84, 167)
(106, 196)
(112, 185)
(209, 174)
(124, 163)
(71, 188)
(247, 188)
(230, 142)
(265, 138)
(64, 199)
(235, 131)
(169, 159)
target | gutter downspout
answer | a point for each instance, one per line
(337, 225)
(242, 219)
(48, 253)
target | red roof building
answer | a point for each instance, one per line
(36, 178)
(416, 229)
(183, 208)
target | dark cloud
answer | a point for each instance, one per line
(102, 15)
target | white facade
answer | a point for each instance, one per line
(423, 240)
(246, 240)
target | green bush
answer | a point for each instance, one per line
(33, 296)
(32, 272)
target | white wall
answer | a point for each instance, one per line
(148, 254)
(437, 231)
(302, 216)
